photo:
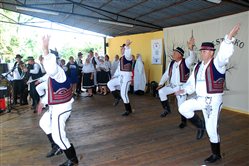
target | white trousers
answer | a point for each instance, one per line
(188, 108)
(167, 90)
(53, 122)
(124, 83)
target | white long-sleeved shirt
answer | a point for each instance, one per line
(16, 74)
(175, 77)
(222, 58)
(108, 64)
(102, 66)
(79, 62)
(36, 69)
(88, 68)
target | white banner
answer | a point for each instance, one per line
(156, 47)
(236, 94)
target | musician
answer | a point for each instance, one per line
(18, 84)
(25, 77)
(35, 72)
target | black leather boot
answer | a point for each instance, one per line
(166, 108)
(196, 121)
(71, 156)
(117, 97)
(127, 109)
(56, 150)
(184, 122)
(215, 147)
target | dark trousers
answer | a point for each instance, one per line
(18, 87)
(78, 87)
(33, 94)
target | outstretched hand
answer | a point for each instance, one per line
(191, 43)
(234, 31)
(45, 44)
(128, 42)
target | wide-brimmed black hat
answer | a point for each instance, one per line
(80, 53)
(18, 56)
(180, 50)
(30, 58)
(207, 46)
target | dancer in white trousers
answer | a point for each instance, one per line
(122, 78)
(207, 81)
(59, 98)
(177, 74)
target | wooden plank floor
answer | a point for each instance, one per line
(104, 138)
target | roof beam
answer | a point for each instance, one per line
(118, 15)
(187, 13)
(244, 3)
(139, 3)
(105, 4)
(92, 10)
(80, 15)
(162, 8)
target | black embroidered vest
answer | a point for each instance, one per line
(214, 79)
(184, 71)
(59, 93)
(125, 65)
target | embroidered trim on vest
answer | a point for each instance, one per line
(184, 71)
(63, 93)
(125, 65)
(214, 79)
(170, 69)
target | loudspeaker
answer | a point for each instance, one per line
(3, 68)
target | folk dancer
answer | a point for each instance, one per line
(60, 101)
(122, 78)
(207, 81)
(176, 74)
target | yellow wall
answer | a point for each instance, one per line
(141, 43)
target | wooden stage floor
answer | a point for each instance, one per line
(102, 137)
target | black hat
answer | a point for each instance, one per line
(55, 53)
(91, 51)
(180, 50)
(207, 46)
(122, 45)
(30, 58)
(80, 53)
(18, 56)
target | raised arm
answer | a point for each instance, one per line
(50, 65)
(192, 56)
(233, 32)
(45, 44)
(226, 49)
(191, 43)
(127, 50)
